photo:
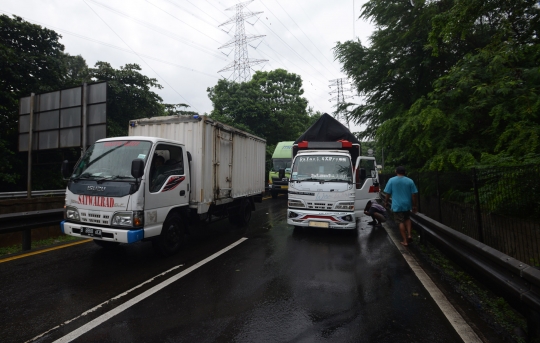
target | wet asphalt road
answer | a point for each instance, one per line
(279, 285)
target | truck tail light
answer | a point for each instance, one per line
(374, 189)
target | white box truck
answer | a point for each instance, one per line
(169, 172)
(330, 184)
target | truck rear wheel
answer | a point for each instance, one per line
(172, 237)
(242, 215)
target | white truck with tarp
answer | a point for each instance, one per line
(330, 182)
(170, 173)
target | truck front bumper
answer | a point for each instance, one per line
(102, 233)
(284, 188)
(329, 220)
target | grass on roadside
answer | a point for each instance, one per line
(13, 249)
(493, 309)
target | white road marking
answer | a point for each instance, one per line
(106, 316)
(463, 329)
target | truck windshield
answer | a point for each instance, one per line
(281, 163)
(322, 168)
(110, 160)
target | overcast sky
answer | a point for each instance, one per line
(177, 41)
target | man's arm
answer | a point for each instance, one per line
(415, 202)
(386, 200)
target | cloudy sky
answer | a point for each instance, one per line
(177, 41)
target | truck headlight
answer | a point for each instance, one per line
(349, 206)
(296, 203)
(122, 219)
(71, 213)
(132, 219)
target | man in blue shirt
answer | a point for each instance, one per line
(404, 199)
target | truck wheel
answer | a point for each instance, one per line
(243, 216)
(274, 195)
(106, 244)
(172, 237)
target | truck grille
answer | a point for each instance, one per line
(319, 205)
(95, 217)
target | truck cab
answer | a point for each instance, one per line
(321, 190)
(330, 182)
(125, 189)
(278, 177)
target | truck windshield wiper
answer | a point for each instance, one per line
(338, 180)
(115, 177)
(82, 176)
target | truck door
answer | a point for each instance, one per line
(223, 158)
(366, 183)
(168, 182)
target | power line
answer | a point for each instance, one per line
(139, 55)
(187, 11)
(115, 46)
(160, 30)
(180, 20)
(304, 32)
(295, 37)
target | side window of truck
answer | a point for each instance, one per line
(173, 165)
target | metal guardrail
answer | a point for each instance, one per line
(26, 221)
(10, 195)
(516, 281)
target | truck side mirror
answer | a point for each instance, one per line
(137, 168)
(66, 170)
(281, 174)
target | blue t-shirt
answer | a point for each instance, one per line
(401, 188)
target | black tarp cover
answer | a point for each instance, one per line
(327, 129)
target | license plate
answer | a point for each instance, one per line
(319, 224)
(90, 232)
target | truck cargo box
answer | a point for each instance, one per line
(227, 163)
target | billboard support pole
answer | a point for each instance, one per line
(84, 100)
(30, 134)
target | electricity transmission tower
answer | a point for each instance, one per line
(340, 97)
(241, 65)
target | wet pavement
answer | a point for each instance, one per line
(279, 285)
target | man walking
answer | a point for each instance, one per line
(404, 199)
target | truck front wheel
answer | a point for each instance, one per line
(172, 237)
(106, 244)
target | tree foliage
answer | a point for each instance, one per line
(270, 105)
(32, 60)
(449, 84)
(129, 96)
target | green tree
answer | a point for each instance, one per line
(396, 69)
(485, 109)
(270, 105)
(448, 84)
(129, 96)
(31, 60)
